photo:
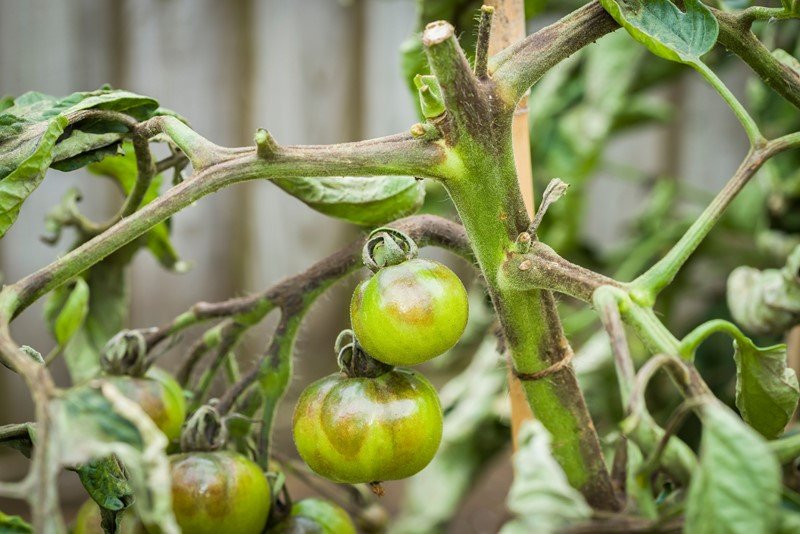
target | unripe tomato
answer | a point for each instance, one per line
(215, 492)
(408, 313)
(88, 521)
(368, 429)
(159, 395)
(315, 516)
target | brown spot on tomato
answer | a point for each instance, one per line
(408, 300)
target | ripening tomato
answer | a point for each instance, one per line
(315, 516)
(408, 313)
(368, 429)
(88, 521)
(159, 395)
(215, 492)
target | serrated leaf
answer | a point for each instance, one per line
(737, 487)
(21, 437)
(540, 496)
(13, 524)
(359, 200)
(31, 138)
(72, 314)
(767, 390)
(664, 29)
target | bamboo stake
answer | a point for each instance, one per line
(793, 355)
(508, 27)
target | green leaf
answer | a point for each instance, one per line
(664, 29)
(540, 496)
(31, 138)
(71, 316)
(12, 524)
(122, 168)
(737, 487)
(105, 481)
(766, 390)
(21, 437)
(363, 201)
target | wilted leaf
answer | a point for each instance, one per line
(31, 128)
(664, 29)
(106, 484)
(540, 496)
(766, 390)
(737, 487)
(72, 314)
(363, 201)
(24, 173)
(12, 524)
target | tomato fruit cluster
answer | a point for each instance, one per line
(372, 422)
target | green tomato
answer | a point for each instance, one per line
(159, 395)
(315, 516)
(215, 492)
(368, 429)
(408, 313)
(88, 521)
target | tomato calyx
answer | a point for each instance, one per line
(386, 246)
(354, 361)
(205, 431)
(125, 354)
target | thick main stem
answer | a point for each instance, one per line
(489, 203)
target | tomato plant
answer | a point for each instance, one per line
(608, 450)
